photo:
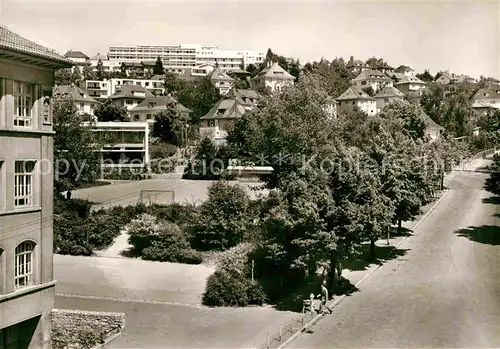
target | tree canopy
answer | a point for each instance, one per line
(109, 111)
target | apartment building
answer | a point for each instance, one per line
(129, 146)
(107, 88)
(26, 156)
(178, 58)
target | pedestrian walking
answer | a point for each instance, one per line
(324, 298)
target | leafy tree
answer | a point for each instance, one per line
(76, 77)
(75, 148)
(63, 76)
(426, 76)
(253, 70)
(369, 90)
(109, 111)
(158, 68)
(375, 63)
(290, 65)
(223, 220)
(88, 74)
(169, 126)
(208, 162)
(432, 101)
(411, 114)
(493, 181)
(335, 75)
(100, 70)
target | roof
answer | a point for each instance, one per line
(220, 75)
(410, 80)
(76, 54)
(160, 103)
(228, 107)
(15, 43)
(354, 93)
(480, 104)
(128, 91)
(403, 68)
(487, 93)
(238, 72)
(389, 91)
(247, 93)
(158, 77)
(385, 66)
(431, 125)
(73, 92)
(371, 74)
(275, 72)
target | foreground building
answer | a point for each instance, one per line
(26, 156)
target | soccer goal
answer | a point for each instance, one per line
(157, 197)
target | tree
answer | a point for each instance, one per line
(493, 181)
(432, 102)
(375, 63)
(76, 76)
(369, 90)
(223, 220)
(75, 148)
(253, 70)
(425, 76)
(100, 70)
(63, 77)
(88, 74)
(208, 162)
(169, 127)
(158, 68)
(412, 116)
(109, 111)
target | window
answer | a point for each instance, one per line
(23, 269)
(23, 103)
(211, 123)
(81, 105)
(363, 82)
(148, 116)
(23, 183)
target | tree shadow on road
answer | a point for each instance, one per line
(362, 260)
(493, 200)
(486, 234)
(404, 232)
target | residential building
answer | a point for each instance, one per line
(466, 79)
(83, 102)
(447, 78)
(148, 108)
(179, 58)
(411, 86)
(371, 78)
(108, 66)
(356, 66)
(273, 77)
(107, 88)
(129, 147)
(405, 70)
(387, 95)
(355, 97)
(216, 123)
(385, 68)
(129, 96)
(432, 130)
(203, 69)
(26, 157)
(79, 58)
(141, 69)
(222, 81)
(486, 99)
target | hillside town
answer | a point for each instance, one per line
(188, 196)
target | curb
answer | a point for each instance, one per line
(341, 298)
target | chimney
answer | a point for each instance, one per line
(351, 59)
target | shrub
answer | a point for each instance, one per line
(161, 241)
(223, 219)
(231, 288)
(125, 174)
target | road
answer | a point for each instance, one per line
(170, 326)
(444, 293)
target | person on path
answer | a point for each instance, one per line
(324, 298)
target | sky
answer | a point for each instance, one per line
(459, 36)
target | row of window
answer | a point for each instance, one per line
(23, 264)
(25, 95)
(24, 184)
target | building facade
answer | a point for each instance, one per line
(26, 190)
(372, 78)
(411, 86)
(148, 108)
(178, 58)
(129, 146)
(274, 78)
(354, 97)
(84, 104)
(101, 90)
(387, 96)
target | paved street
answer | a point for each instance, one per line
(445, 292)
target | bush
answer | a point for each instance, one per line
(160, 241)
(125, 174)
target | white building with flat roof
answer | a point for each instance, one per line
(107, 88)
(178, 58)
